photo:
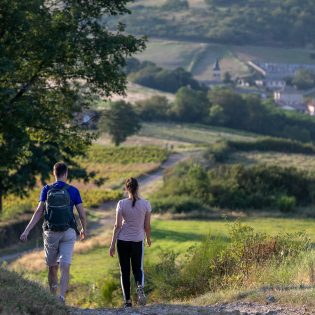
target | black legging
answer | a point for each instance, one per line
(130, 251)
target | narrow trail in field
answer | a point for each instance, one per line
(235, 308)
(106, 221)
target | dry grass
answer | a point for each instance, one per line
(137, 93)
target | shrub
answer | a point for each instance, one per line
(236, 187)
(176, 204)
(156, 108)
(285, 203)
(218, 263)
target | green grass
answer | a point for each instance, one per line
(300, 161)
(196, 134)
(92, 267)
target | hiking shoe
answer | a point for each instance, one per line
(128, 304)
(141, 296)
(61, 300)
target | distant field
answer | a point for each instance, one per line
(195, 134)
(136, 93)
(300, 161)
(192, 3)
(199, 57)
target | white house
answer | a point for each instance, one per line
(289, 97)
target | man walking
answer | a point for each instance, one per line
(60, 230)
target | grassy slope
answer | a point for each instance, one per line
(196, 134)
(18, 296)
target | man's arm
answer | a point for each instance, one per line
(147, 227)
(34, 220)
(82, 216)
(117, 227)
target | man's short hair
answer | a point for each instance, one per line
(60, 169)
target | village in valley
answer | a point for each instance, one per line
(271, 80)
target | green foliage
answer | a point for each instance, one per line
(156, 108)
(47, 54)
(126, 155)
(175, 5)
(304, 79)
(190, 105)
(218, 263)
(286, 203)
(239, 187)
(248, 112)
(120, 121)
(222, 150)
(261, 22)
(176, 204)
(148, 74)
(19, 296)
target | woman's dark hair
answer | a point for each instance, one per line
(132, 187)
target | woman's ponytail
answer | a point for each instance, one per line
(132, 187)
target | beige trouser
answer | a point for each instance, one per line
(59, 246)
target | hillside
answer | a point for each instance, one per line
(19, 296)
(259, 22)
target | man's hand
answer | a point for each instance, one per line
(24, 236)
(112, 250)
(83, 234)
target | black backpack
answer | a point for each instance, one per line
(58, 213)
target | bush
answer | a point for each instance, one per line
(273, 144)
(156, 108)
(218, 263)
(235, 187)
(158, 78)
(176, 204)
(285, 203)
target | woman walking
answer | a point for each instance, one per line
(133, 216)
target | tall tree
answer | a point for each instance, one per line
(53, 56)
(120, 121)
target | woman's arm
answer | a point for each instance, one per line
(147, 227)
(35, 218)
(117, 227)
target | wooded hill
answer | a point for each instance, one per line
(255, 22)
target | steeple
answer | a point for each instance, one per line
(216, 65)
(216, 71)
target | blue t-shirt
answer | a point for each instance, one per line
(73, 192)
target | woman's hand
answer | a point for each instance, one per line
(112, 250)
(24, 236)
(149, 241)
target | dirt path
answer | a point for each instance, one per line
(236, 308)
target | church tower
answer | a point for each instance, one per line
(216, 71)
